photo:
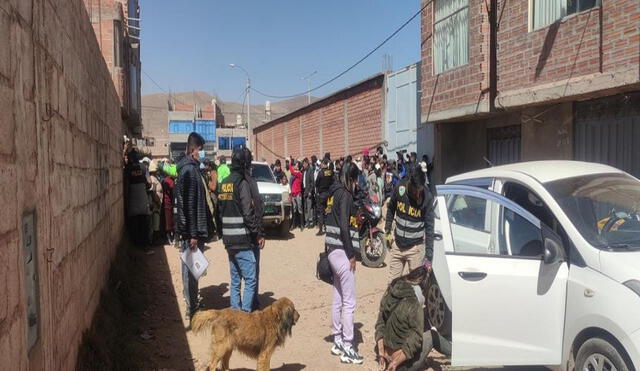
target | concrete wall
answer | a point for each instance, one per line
(344, 123)
(60, 158)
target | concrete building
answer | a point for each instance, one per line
(520, 80)
(184, 119)
(61, 186)
(342, 123)
(116, 24)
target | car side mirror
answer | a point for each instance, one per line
(553, 252)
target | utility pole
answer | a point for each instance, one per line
(232, 65)
(308, 78)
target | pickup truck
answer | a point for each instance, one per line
(277, 206)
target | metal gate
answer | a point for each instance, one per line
(503, 145)
(607, 131)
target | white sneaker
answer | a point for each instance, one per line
(351, 356)
(338, 348)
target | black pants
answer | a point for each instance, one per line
(139, 229)
(321, 205)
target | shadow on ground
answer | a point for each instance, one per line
(138, 324)
(213, 297)
(285, 367)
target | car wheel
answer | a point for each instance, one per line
(285, 226)
(597, 354)
(438, 312)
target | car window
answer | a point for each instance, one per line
(262, 173)
(475, 231)
(518, 237)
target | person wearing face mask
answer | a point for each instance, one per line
(342, 234)
(401, 342)
(192, 218)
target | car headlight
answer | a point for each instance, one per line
(271, 197)
(633, 285)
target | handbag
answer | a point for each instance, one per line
(323, 268)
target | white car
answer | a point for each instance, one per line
(539, 263)
(277, 206)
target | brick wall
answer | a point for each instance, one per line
(344, 123)
(588, 54)
(564, 49)
(60, 157)
(463, 86)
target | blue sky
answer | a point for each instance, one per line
(188, 44)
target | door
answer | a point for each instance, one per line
(508, 306)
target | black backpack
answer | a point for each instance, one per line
(323, 268)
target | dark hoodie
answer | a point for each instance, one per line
(341, 205)
(400, 319)
(190, 200)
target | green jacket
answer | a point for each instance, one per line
(223, 172)
(401, 320)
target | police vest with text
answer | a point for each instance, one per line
(409, 220)
(234, 232)
(332, 238)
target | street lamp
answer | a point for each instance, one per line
(233, 65)
(308, 78)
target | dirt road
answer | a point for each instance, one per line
(287, 269)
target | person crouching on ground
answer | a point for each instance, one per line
(240, 212)
(191, 219)
(411, 207)
(401, 343)
(342, 234)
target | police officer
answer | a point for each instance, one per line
(411, 207)
(342, 234)
(240, 213)
(323, 184)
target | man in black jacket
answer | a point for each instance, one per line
(411, 207)
(323, 183)
(192, 222)
(240, 211)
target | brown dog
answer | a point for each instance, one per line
(255, 334)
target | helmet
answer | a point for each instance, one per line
(241, 158)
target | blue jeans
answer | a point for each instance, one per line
(189, 283)
(244, 265)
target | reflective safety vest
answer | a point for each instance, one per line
(409, 220)
(332, 238)
(234, 231)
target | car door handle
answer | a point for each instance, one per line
(472, 276)
(437, 236)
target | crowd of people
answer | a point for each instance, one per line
(310, 178)
(195, 200)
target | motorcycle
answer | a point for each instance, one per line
(373, 246)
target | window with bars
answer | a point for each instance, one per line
(451, 34)
(546, 12)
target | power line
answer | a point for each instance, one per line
(161, 88)
(353, 65)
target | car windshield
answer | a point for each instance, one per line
(262, 173)
(603, 207)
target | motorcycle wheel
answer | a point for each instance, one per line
(374, 251)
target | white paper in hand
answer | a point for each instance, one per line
(195, 261)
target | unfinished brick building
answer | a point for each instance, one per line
(516, 80)
(342, 123)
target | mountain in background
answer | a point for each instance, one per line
(154, 109)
